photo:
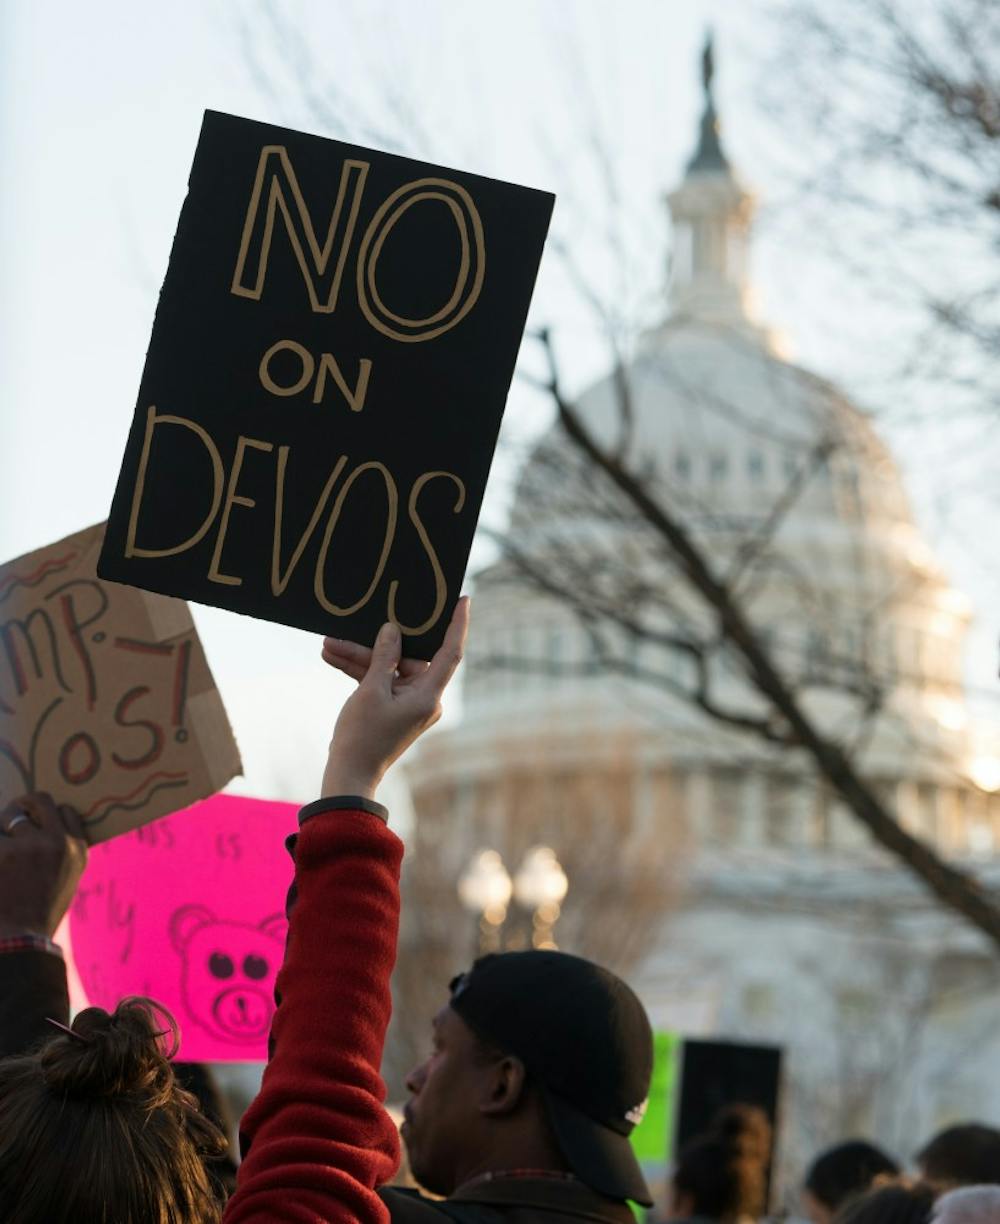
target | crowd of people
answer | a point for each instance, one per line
(723, 1175)
(538, 1071)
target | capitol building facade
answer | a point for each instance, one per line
(704, 860)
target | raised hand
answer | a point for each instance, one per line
(42, 856)
(354, 660)
(395, 702)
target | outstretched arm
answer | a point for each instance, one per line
(317, 1139)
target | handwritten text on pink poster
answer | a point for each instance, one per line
(191, 910)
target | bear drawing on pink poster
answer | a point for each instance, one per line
(228, 970)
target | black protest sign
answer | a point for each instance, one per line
(323, 390)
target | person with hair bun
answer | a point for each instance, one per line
(722, 1174)
(95, 1127)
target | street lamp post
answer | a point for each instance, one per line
(485, 888)
(539, 886)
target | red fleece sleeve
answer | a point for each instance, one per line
(320, 1140)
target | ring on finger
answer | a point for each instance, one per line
(17, 819)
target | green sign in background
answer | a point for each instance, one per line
(652, 1139)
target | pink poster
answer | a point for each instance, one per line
(191, 910)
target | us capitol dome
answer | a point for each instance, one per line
(709, 865)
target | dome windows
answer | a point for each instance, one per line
(752, 466)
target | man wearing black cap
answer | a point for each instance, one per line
(539, 1072)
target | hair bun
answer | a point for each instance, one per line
(114, 1054)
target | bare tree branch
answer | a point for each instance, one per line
(951, 886)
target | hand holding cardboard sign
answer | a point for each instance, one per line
(42, 856)
(394, 704)
(353, 660)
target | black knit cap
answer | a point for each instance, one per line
(585, 1039)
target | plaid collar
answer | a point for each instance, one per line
(29, 940)
(511, 1174)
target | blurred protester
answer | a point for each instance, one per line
(891, 1204)
(968, 1205)
(94, 1127)
(841, 1174)
(722, 1174)
(963, 1155)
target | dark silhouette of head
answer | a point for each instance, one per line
(722, 1174)
(94, 1126)
(963, 1155)
(841, 1174)
(897, 1204)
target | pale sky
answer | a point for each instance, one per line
(100, 106)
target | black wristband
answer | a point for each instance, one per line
(343, 803)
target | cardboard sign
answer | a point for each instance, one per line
(191, 911)
(329, 364)
(106, 700)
